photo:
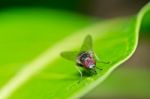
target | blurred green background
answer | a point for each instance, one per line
(129, 81)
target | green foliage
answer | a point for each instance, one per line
(31, 41)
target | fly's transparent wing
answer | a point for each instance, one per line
(87, 43)
(70, 55)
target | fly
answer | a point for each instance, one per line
(85, 58)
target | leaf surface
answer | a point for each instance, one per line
(31, 42)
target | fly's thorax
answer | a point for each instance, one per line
(86, 59)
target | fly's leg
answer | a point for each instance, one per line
(94, 70)
(79, 72)
(104, 62)
(96, 57)
(99, 68)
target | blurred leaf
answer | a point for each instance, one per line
(31, 41)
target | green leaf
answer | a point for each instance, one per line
(31, 42)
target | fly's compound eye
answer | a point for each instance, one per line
(84, 55)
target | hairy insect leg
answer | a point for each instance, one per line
(99, 68)
(79, 72)
(104, 62)
(94, 70)
(96, 57)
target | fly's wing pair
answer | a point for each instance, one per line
(86, 46)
